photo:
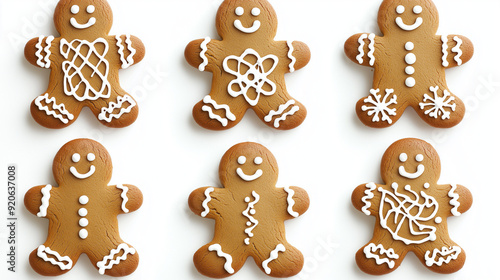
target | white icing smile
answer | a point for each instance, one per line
(82, 176)
(402, 25)
(75, 9)
(256, 24)
(404, 173)
(242, 160)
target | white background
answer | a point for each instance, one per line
(167, 155)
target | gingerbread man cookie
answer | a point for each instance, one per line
(82, 213)
(409, 64)
(249, 212)
(248, 68)
(84, 64)
(411, 209)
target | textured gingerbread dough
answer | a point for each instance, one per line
(84, 64)
(249, 213)
(409, 63)
(411, 209)
(82, 213)
(248, 68)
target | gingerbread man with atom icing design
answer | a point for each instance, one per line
(82, 213)
(248, 68)
(411, 209)
(84, 64)
(409, 64)
(249, 213)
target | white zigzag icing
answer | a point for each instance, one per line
(45, 201)
(206, 201)
(372, 248)
(291, 202)
(126, 250)
(444, 39)
(452, 253)
(204, 49)
(61, 108)
(290, 56)
(272, 257)
(458, 50)
(454, 200)
(283, 117)
(229, 259)
(280, 111)
(42, 253)
(47, 51)
(361, 47)
(369, 195)
(124, 197)
(371, 47)
(112, 106)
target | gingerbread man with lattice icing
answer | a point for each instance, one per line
(248, 68)
(409, 64)
(411, 209)
(82, 213)
(84, 65)
(249, 213)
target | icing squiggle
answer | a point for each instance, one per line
(371, 47)
(283, 117)
(126, 250)
(247, 213)
(65, 116)
(290, 56)
(444, 39)
(372, 248)
(44, 61)
(291, 202)
(59, 260)
(368, 195)
(272, 257)
(45, 201)
(118, 105)
(203, 52)
(129, 61)
(361, 48)
(280, 111)
(124, 197)
(454, 200)
(224, 121)
(457, 50)
(206, 201)
(450, 254)
(229, 259)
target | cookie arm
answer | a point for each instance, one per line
(299, 55)
(203, 201)
(297, 201)
(37, 51)
(130, 198)
(460, 199)
(361, 48)
(35, 198)
(366, 198)
(456, 50)
(130, 49)
(200, 53)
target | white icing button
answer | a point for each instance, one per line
(411, 58)
(410, 82)
(75, 9)
(409, 46)
(242, 160)
(394, 185)
(427, 185)
(83, 222)
(438, 220)
(417, 9)
(247, 199)
(258, 160)
(83, 212)
(239, 11)
(83, 234)
(83, 199)
(91, 157)
(255, 12)
(90, 9)
(403, 157)
(75, 158)
(410, 70)
(400, 9)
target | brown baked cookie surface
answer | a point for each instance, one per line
(411, 211)
(82, 212)
(84, 63)
(249, 213)
(248, 68)
(409, 63)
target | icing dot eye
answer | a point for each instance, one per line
(403, 157)
(91, 157)
(255, 12)
(75, 158)
(242, 160)
(417, 9)
(90, 9)
(75, 9)
(419, 158)
(258, 160)
(239, 11)
(400, 9)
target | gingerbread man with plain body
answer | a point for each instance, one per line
(411, 209)
(409, 64)
(249, 213)
(248, 68)
(82, 213)
(84, 65)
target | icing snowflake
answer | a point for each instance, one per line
(438, 104)
(255, 76)
(380, 105)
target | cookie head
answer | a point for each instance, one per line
(81, 160)
(246, 17)
(411, 161)
(248, 164)
(83, 17)
(403, 16)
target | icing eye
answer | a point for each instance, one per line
(91, 157)
(75, 9)
(400, 9)
(90, 9)
(75, 158)
(255, 12)
(242, 160)
(239, 11)
(258, 160)
(419, 158)
(403, 157)
(417, 9)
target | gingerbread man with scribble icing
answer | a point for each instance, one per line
(411, 211)
(249, 213)
(82, 210)
(84, 64)
(409, 63)
(248, 68)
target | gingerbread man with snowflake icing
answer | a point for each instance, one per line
(82, 213)
(248, 68)
(84, 65)
(249, 212)
(409, 64)
(411, 209)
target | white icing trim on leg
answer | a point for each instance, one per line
(290, 202)
(45, 201)
(206, 201)
(65, 116)
(59, 260)
(112, 106)
(371, 248)
(123, 196)
(126, 250)
(280, 111)
(368, 195)
(451, 253)
(229, 259)
(204, 49)
(291, 57)
(273, 256)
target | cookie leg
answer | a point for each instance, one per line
(52, 260)
(55, 110)
(380, 109)
(440, 108)
(218, 261)
(216, 114)
(120, 259)
(444, 256)
(120, 110)
(380, 256)
(280, 111)
(282, 260)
